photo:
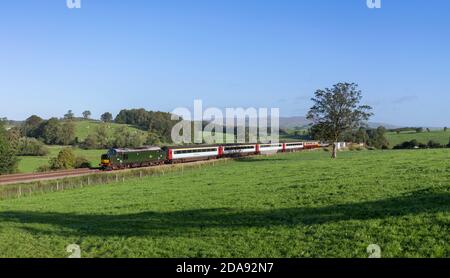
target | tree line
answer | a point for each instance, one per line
(154, 128)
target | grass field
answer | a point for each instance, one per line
(288, 205)
(84, 128)
(441, 137)
(29, 164)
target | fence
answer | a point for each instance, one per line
(46, 186)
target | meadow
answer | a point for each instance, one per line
(29, 164)
(86, 127)
(287, 205)
(442, 137)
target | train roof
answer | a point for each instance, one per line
(199, 146)
(128, 150)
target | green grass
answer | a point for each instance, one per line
(441, 137)
(29, 164)
(288, 205)
(84, 128)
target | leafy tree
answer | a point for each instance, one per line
(361, 136)
(103, 135)
(56, 132)
(428, 130)
(91, 142)
(100, 139)
(51, 131)
(153, 139)
(65, 160)
(8, 159)
(124, 137)
(107, 117)
(69, 115)
(31, 147)
(66, 134)
(14, 134)
(337, 110)
(445, 129)
(419, 129)
(156, 122)
(448, 145)
(87, 114)
(32, 127)
(378, 139)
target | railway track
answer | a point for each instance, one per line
(30, 177)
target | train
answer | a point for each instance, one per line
(123, 158)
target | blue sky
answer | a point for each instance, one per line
(114, 54)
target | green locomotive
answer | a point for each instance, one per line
(132, 158)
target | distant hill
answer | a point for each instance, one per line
(387, 126)
(302, 122)
(294, 122)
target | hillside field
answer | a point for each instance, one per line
(84, 128)
(287, 205)
(441, 137)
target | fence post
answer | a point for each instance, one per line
(140, 174)
(117, 178)
(20, 191)
(88, 181)
(57, 185)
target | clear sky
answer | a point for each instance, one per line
(159, 55)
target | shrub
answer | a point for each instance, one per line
(91, 142)
(413, 144)
(407, 145)
(31, 147)
(433, 145)
(422, 146)
(99, 139)
(43, 168)
(82, 162)
(65, 160)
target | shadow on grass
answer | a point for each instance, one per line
(193, 221)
